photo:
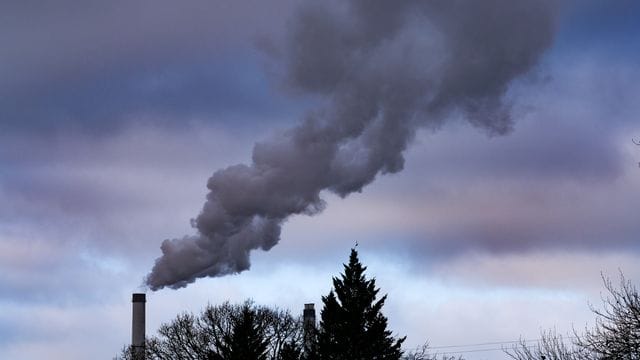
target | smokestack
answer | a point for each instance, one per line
(309, 324)
(138, 325)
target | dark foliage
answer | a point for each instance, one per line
(291, 351)
(352, 326)
(247, 340)
(225, 332)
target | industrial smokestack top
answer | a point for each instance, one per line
(309, 324)
(309, 315)
(138, 324)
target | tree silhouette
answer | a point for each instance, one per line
(616, 334)
(352, 325)
(550, 346)
(290, 351)
(247, 340)
(226, 331)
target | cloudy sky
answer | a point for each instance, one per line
(480, 153)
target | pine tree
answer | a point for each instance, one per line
(352, 326)
(247, 341)
(290, 351)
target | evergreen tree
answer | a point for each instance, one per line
(352, 326)
(290, 351)
(247, 341)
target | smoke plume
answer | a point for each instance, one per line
(383, 68)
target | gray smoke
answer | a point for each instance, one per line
(382, 68)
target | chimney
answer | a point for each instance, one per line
(309, 324)
(138, 325)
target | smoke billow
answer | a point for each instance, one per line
(384, 68)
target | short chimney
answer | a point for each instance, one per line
(309, 324)
(138, 325)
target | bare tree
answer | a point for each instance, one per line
(423, 353)
(208, 335)
(616, 334)
(551, 346)
(283, 331)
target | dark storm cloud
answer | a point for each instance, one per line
(610, 25)
(164, 94)
(385, 69)
(95, 65)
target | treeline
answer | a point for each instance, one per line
(615, 335)
(353, 327)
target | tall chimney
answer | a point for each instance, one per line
(138, 325)
(309, 324)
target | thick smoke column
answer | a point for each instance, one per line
(383, 68)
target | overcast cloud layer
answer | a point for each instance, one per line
(112, 117)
